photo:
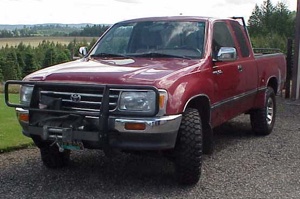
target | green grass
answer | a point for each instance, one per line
(11, 137)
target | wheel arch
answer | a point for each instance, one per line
(273, 83)
(202, 104)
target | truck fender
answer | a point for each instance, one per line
(260, 98)
(202, 103)
(273, 83)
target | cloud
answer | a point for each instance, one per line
(240, 2)
(111, 11)
(128, 1)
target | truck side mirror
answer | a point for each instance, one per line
(83, 51)
(227, 54)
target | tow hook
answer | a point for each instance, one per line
(60, 148)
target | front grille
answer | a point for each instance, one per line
(51, 101)
(76, 99)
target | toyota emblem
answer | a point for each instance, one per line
(75, 97)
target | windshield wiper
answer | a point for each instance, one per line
(108, 55)
(155, 54)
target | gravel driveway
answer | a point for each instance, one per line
(242, 166)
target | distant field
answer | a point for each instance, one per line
(34, 41)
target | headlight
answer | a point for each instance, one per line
(138, 101)
(143, 102)
(25, 94)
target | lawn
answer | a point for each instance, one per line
(11, 136)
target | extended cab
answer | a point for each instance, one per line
(151, 84)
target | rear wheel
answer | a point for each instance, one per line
(263, 119)
(188, 150)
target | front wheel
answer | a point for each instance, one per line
(263, 119)
(53, 158)
(188, 150)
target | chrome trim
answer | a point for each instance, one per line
(218, 72)
(130, 90)
(165, 124)
(227, 54)
(274, 76)
(70, 93)
(237, 97)
(263, 88)
(162, 111)
(21, 110)
(93, 103)
(23, 124)
(199, 95)
(75, 97)
(270, 111)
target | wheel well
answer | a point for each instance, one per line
(202, 104)
(273, 84)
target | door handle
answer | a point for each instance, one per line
(218, 72)
(240, 68)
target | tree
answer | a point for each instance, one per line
(63, 56)
(267, 13)
(50, 57)
(18, 61)
(90, 31)
(11, 69)
(255, 21)
(284, 20)
(1, 66)
(5, 34)
(30, 64)
(270, 26)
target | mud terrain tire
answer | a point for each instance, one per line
(263, 119)
(188, 149)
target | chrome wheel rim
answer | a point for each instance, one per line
(270, 111)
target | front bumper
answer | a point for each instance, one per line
(159, 133)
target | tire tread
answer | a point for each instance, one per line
(188, 158)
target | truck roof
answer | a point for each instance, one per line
(171, 18)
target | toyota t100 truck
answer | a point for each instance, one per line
(152, 84)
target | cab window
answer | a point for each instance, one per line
(241, 38)
(221, 37)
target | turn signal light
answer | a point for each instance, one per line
(161, 101)
(135, 126)
(24, 117)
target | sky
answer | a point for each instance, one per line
(112, 11)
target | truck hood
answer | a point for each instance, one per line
(115, 71)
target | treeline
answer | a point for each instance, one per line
(271, 25)
(90, 31)
(18, 61)
(54, 30)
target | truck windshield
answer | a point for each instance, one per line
(153, 39)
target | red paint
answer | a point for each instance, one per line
(183, 78)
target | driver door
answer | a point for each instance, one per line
(228, 84)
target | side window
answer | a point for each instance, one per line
(239, 34)
(221, 37)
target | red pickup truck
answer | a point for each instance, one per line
(151, 84)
